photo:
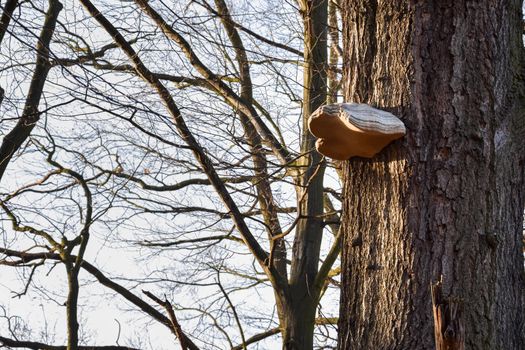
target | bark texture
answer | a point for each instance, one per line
(449, 331)
(447, 200)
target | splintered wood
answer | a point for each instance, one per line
(448, 320)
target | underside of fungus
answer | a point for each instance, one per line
(346, 130)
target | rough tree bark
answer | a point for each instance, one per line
(447, 200)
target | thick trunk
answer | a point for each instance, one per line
(447, 200)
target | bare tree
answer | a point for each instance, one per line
(182, 128)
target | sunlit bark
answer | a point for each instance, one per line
(445, 202)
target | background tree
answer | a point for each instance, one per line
(445, 202)
(185, 129)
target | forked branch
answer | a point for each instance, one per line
(190, 140)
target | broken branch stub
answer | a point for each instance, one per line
(449, 328)
(346, 130)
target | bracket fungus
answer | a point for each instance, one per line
(347, 130)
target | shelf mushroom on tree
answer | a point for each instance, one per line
(346, 130)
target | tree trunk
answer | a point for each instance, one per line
(299, 307)
(72, 306)
(446, 200)
(299, 322)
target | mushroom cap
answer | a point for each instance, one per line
(347, 130)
